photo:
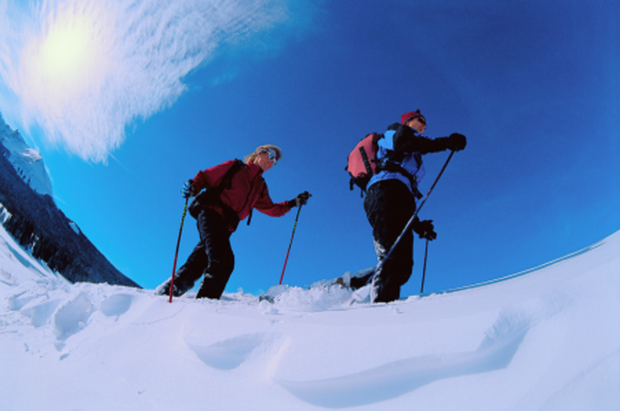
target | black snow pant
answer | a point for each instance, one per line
(389, 205)
(213, 257)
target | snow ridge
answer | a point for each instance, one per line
(546, 340)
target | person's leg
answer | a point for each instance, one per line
(188, 274)
(389, 205)
(215, 237)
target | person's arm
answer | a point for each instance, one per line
(406, 141)
(266, 205)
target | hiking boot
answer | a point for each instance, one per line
(164, 289)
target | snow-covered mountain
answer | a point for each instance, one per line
(546, 339)
(30, 214)
(26, 160)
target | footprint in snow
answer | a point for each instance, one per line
(72, 316)
(116, 305)
(230, 353)
(400, 377)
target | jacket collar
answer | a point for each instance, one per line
(254, 168)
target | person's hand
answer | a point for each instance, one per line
(456, 142)
(425, 229)
(300, 200)
(188, 190)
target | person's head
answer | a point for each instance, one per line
(415, 120)
(265, 156)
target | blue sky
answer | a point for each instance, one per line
(150, 92)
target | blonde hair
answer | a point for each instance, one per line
(251, 157)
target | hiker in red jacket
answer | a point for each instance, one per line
(233, 189)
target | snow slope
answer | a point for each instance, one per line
(548, 339)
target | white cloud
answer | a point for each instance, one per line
(83, 70)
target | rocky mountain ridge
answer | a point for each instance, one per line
(29, 213)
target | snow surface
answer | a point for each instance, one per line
(547, 339)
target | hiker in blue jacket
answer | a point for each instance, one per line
(391, 199)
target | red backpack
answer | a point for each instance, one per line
(362, 161)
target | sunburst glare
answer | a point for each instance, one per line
(66, 57)
(67, 53)
(84, 70)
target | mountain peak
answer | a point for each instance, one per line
(27, 161)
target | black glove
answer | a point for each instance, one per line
(188, 190)
(424, 229)
(456, 142)
(300, 200)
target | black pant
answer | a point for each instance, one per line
(389, 205)
(212, 257)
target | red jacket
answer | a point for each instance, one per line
(247, 190)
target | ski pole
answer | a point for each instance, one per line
(290, 244)
(176, 253)
(424, 269)
(410, 222)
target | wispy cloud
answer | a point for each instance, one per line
(83, 70)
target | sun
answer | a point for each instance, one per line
(69, 55)
(65, 52)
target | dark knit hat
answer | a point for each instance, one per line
(410, 116)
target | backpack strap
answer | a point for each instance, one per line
(212, 195)
(391, 166)
(366, 161)
(252, 209)
(225, 183)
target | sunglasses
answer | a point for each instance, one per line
(273, 155)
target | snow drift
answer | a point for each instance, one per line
(548, 339)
